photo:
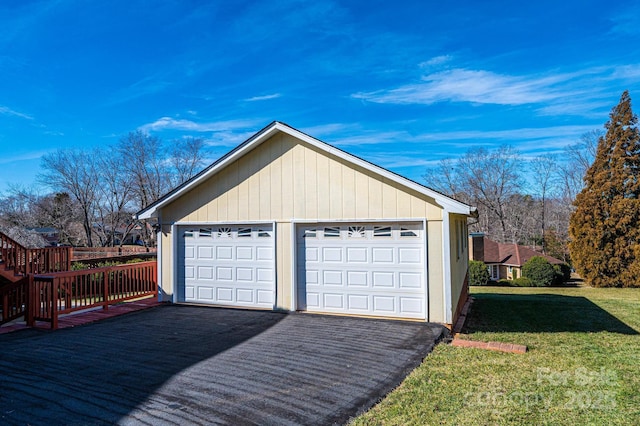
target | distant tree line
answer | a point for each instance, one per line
(586, 207)
(94, 193)
(520, 200)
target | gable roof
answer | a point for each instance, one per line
(511, 254)
(449, 204)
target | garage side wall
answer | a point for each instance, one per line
(459, 255)
(166, 284)
(284, 180)
(434, 271)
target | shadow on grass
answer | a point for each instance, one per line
(541, 313)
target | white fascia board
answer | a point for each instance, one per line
(447, 203)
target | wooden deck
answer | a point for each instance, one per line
(86, 317)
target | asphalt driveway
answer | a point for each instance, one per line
(197, 365)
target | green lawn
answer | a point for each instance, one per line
(582, 367)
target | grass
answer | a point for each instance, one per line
(582, 367)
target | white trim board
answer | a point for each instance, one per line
(449, 204)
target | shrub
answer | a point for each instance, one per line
(79, 266)
(522, 282)
(478, 273)
(539, 271)
(503, 282)
(563, 273)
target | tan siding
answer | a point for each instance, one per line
(435, 272)
(254, 187)
(362, 203)
(275, 180)
(389, 201)
(375, 198)
(311, 183)
(283, 271)
(403, 204)
(222, 202)
(418, 207)
(167, 264)
(335, 190)
(266, 189)
(284, 179)
(348, 193)
(324, 191)
(299, 183)
(233, 203)
(288, 176)
(459, 264)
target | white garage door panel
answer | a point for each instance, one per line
(368, 269)
(227, 265)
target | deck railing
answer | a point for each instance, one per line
(65, 292)
(24, 261)
(14, 300)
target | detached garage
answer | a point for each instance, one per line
(287, 222)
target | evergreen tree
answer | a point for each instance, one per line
(605, 227)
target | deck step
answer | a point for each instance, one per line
(8, 275)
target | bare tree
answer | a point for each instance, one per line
(520, 221)
(59, 211)
(73, 172)
(143, 159)
(487, 179)
(17, 207)
(187, 156)
(579, 158)
(543, 168)
(115, 197)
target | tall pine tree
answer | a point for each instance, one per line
(605, 227)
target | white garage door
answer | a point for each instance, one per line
(227, 265)
(366, 269)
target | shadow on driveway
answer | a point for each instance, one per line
(541, 313)
(197, 365)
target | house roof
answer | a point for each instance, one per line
(449, 204)
(511, 254)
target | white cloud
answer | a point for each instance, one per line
(391, 160)
(147, 86)
(626, 23)
(524, 134)
(228, 138)
(28, 156)
(436, 61)
(263, 98)
(581, 92)
(10, 112)
(330, 129)
(168, 123)
(374, 138)
(555, 135)
(462, 85)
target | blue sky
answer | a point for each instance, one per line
(402, 84)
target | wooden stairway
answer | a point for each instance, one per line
(18, 266)
(17, 261)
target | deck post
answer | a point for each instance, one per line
(105, 292)
(69, 254)
(55, 290)
(31, 302)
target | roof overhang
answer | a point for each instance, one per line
(447, 203)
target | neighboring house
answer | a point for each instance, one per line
(504, 261)
(50, 235)
(287, 222)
